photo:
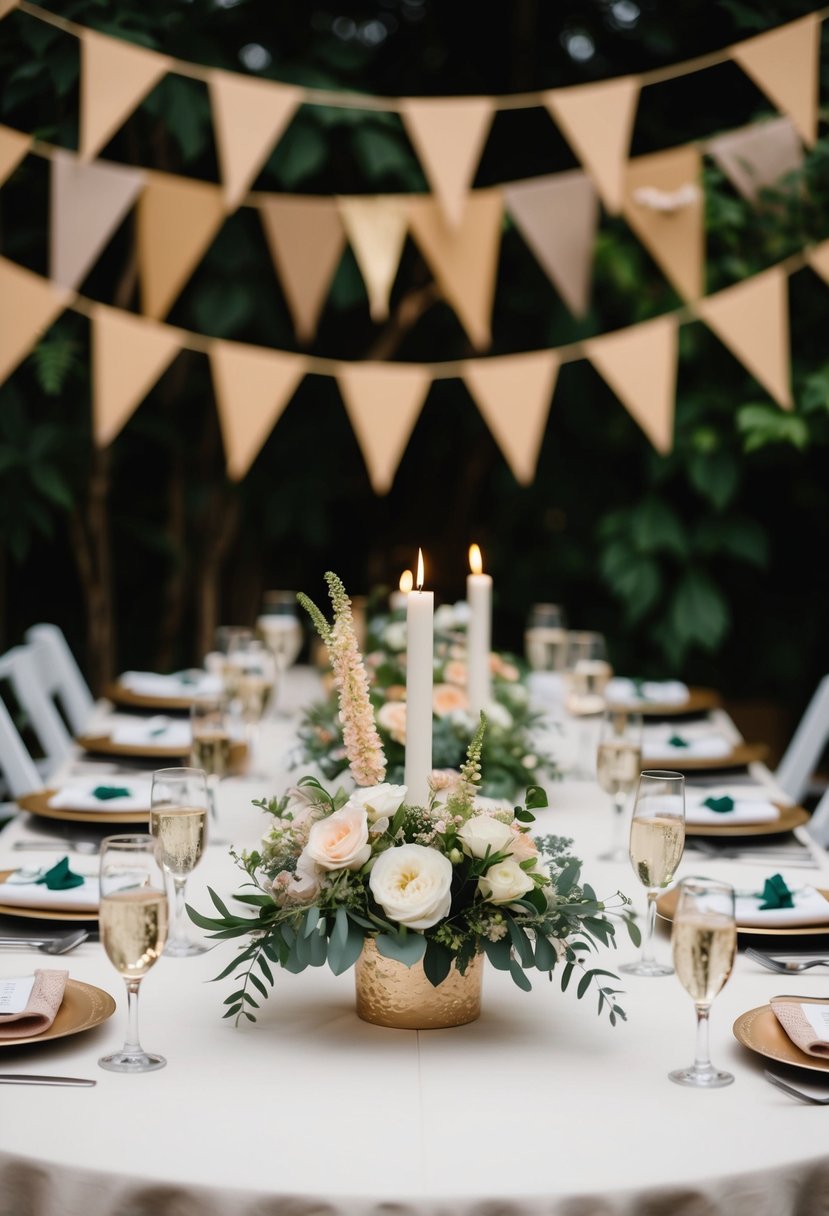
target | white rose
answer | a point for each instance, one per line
(340, 842)
(462, 612)
(504, 882)
(379, 801)
(394, 635)
(444, 620)
(412, 884)
(305, 881)
(482, 833)
(498, 715)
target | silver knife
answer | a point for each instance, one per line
(22, 1078)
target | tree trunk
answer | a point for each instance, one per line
(89, 533)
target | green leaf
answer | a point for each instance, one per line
(698, 611)
(568, 877)
(762, 425)
(258, 985)
(714, 475)
(524, 816)
(340, 933)
(380, 151)
(584, 984)
(736, 536)
(344, 954)
(545, 953)
(498, 953)
(521, 943)
(407, 950)
(437, 962)
(520, 976)
(566, 975)
(311, 921)
(302, 152)
(535, 798)
(656, 528)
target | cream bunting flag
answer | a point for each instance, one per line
(557, 217)
(785, 64)
(818, 259)
(752, 320)
(464, 261)
(88, 203)
(383, 402)
(306, 240)
(448, 134)
(6, 7)
(177, 218)
(13, 147)
(597, 121)
(116, 76)
(129, 356)
(514, 393)
(758, 156)
(253, 385)
(376, 230)
(665, 207)
(28, 306)
(639, 365)
(249, 116)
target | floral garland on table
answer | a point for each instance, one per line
(513, 755)
(435, 884)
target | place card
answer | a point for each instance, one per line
(15, 993)
(818, 1018)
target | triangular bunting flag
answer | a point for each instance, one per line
(13, 147)
(818, 259)
(597, 121)
(116, 76)
(514, 392)
(785, 64)
(248, 118)
(177, 219)
(88, 203)
(28, 306)
(639, 365)
(665, 207)
(757, 156)
(752, 320)
(557, 217)
(448, 134)
(383, 401)
(252, 386)
(376, 230)
(129, 355)
(6, 7)
(306, 240)
(464, 261)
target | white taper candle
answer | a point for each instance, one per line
(479, 634)
(420, 611)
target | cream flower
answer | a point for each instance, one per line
(394, 635)
(482, 834)
(339, 842)
(454, 672)
(522, 846)
(498, 715)
(412, 884)
(446, 698)
(500, 667)
(378, 801)
(396, 692)
(392, 717)
(505, 882)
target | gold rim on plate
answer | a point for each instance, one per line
(42, 913)
(666, 906)
(740, 756)
(103, 745)
(38, 804)
(759, 1030)
(135, 700)
(698, 701)
(83, 1007)
(790, 817)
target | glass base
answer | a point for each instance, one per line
(132, 1061)
(646, 968)
(704, 1078)
(184, 949)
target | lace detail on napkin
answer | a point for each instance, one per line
(41, 1008)
(800, 1028)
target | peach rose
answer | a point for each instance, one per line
(522, 846)
(392, 717)
(396, 692)
(506, 671)
(446, 698)
(455, 673)
(339, 842)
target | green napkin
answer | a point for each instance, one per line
(105, 792)
(638, 683)
(678, 741)
(720, 805)
(60, 877)
(776, 894)
(159, 730)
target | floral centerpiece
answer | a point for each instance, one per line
(431, 887)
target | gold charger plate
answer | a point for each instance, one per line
(83, 1007)
(103, 745)
(698, 701)
(666, 906)
(135, 700)
(739, 756)
(41, 913)
(790, 817)
(38, 804)
(760, 1031)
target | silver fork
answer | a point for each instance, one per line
(794, 1093)
(48, 945)
(782, 965)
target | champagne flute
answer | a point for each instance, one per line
(618, 763)
(178, 822)
(545, 638)
(704, 942)
(133, 922)
(280, 626)
(210, 727)
(657, 839)
(229, 640)
(587, 672)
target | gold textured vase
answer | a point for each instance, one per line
(392, 994)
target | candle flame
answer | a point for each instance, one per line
(420, 569)
(476, 562)
(406, 582)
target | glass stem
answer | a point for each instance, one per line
(212, 786)
(618, 812)
(650, 922)
(702, 1055)
(180, 922)
(132, 1045)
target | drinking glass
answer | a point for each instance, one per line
(281, 628)
(618, 764)
(587, 672)
(704, 942)
(210, 727)
(545, 638)
(229, 639)
(133, 924)
(657, 838)
(178, 822)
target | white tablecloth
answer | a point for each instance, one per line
(539, 1107)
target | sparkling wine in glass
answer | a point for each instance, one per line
(178, 824)
(133, 923)
(704, 942)
(281, 628)
(545, 638)
(657, 840)
(618, 764)
(211, 731)
(230, 639)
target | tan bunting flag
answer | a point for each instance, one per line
(785, 64)
(752, 320)
(597, 121)
(514, 392)
(464, 261)
(383, 402)
(448, 134)
(116, 76)
(665, 207)
(639, 365)
(557, 217)
(249, 116)
(376, 230)
(818, 259)
(306, 240)
(6, 7)
(758, 156)
(176, 220)
(13, 147)
(28, 306)
(252, 386)
(88, 203)
(129, 356)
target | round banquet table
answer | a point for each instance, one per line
(539, 1107)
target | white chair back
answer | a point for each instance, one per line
(60, 676)
(807, 743)
(19, 771)
(818, 825)
(19, 668)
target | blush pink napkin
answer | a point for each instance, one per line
(41, 1008)
(797, 1026)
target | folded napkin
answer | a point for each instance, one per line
(721, 810)
(44, 889)
(621, 691)
(152, 732)
(60, 877)
(808, 907)
(134, 796)
(805, 1021)
(193, 683)
(685, 745)
(29, 1003)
